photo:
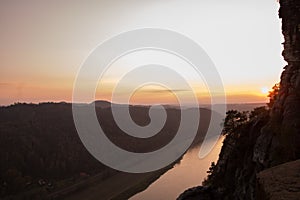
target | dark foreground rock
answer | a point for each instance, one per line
(246, 166)
(200, 193)
(280, 183)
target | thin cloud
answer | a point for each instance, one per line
(164, 90)
(6, 84)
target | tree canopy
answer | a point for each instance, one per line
(233, 120)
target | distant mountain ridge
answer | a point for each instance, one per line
(40, 142)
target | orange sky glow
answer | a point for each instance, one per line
(44, 43)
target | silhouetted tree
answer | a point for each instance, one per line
(273, 95)
(211, 168)
(233, 120)
(258, 112)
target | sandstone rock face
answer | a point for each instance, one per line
(280, 183)
(285, 115)
(244, 169)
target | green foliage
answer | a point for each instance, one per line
(273, 95)
(235, 162)
(40, 141)
(259, 111)
(15, 180)
(210, 173)
(211, 168)
(234, 119)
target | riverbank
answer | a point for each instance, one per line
(118, 187)
(260, 158)
(189, 172)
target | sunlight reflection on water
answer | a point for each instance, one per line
(190, 172)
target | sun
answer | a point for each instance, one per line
(264, 90)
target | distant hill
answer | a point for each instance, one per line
(102, 104)
(239, 106)
(39, 141)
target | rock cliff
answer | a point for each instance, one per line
(266, 141)
(281, 182)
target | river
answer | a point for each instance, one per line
(190, 172)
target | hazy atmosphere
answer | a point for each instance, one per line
(149, 100)
(44, 43)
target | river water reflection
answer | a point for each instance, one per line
(190, 172)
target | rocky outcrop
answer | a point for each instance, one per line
(248, 155)
(234, 175)
(285, 115)
(280, 183)
(200, 193)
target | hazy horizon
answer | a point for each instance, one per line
(134, 103)
(43, 45)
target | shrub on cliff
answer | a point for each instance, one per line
(273, 95)
(234, 119)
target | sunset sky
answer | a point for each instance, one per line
(44, 43)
